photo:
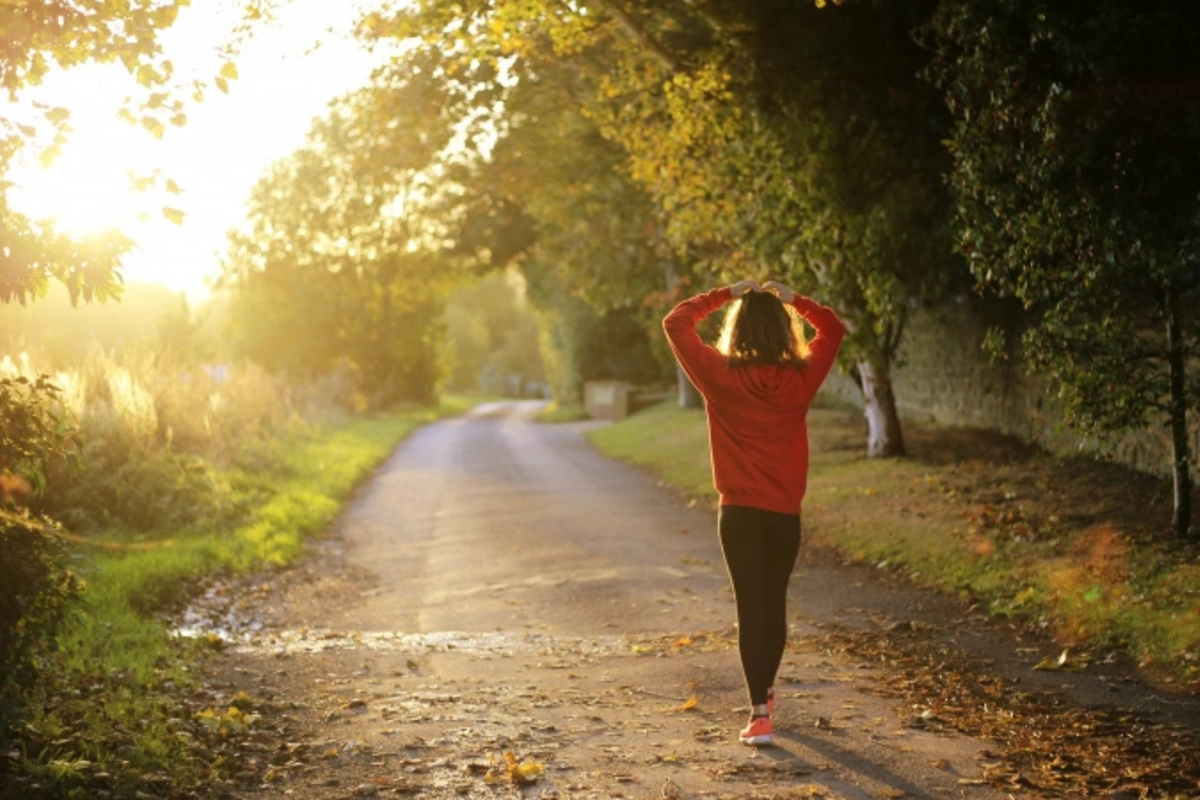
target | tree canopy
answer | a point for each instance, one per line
(341, 263)
(771, 139)
(1076, 151)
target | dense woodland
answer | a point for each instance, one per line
(597, 161)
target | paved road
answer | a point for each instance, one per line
(500, 587)
(490, 521)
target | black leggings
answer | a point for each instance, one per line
(760, 550)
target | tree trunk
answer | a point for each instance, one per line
(638, 34)
(1181, 517)
(689, 397)
(884, 438)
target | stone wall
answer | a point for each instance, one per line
(945, 377)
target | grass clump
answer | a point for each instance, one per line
(671, 441)
(110, 711)
(554, 413)
(1078, 548)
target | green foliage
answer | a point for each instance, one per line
(136, 440)
(183, 335)
(561, 332)
(144, 492)
(754, 139)
(592, 249)
(32, 435)
(580, 343)
(491, 333)
(342, 262)
(1077, 167)
(35, 590)
(35, 595)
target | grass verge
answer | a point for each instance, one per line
(1076, 547)
(556, 413)
(111, 713)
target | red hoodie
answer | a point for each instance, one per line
(757, 435)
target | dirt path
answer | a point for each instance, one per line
(501, 588)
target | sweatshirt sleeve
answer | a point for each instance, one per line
(701, 362)
(823, 349)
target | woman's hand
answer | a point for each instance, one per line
(776, 288)
(741, 287)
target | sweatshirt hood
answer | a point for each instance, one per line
(767, 384)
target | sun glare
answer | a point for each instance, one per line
(284, 81)
(88, 187)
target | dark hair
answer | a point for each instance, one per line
(759, 329)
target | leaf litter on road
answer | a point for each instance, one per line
(1048, 747)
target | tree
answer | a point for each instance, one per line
(550, 196)
(772, 138)
(1076, 151)
(38, 36)
(341, 257)
(800, 143)
(493, 333)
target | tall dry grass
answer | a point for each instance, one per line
(166, 444)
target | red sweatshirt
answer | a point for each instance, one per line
(757, 435)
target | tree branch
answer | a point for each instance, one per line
(638, 34)
(891, 339)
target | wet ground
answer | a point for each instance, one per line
(501, 611)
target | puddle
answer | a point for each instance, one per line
(498, 643)
(215, 614)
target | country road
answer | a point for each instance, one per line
(500, 587)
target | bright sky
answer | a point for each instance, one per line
(229, 139)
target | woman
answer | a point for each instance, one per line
(758, 385)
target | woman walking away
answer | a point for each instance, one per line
(758, 384)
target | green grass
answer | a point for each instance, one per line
(118, 642)
(553, 413)
(314, 474)
(956, 527)
(671, 441)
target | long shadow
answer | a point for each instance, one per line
(849, 760)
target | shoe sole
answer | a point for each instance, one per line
(757, 741)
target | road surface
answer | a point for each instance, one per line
(499, 587)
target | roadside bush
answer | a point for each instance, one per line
(161, 438)
(34, 588)
(35, 592)
(158, 490)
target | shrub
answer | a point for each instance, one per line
(35, 592)
(34, 588)
(158, 438)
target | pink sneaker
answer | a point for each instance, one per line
(758, 732)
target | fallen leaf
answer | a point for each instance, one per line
(1053, 664)
(514, 772)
